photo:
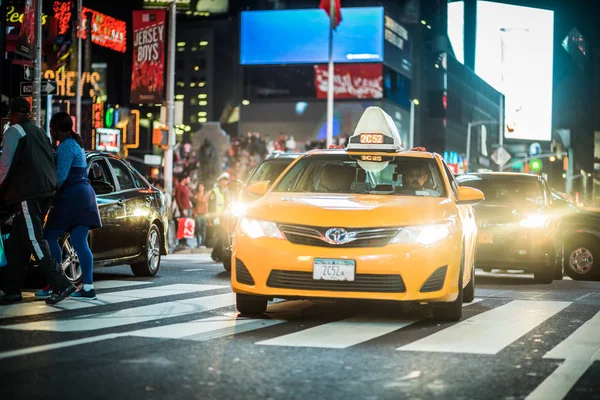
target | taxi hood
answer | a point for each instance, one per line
(353, 211)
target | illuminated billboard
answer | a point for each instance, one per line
(514, 53)
(302, 36)
(108, 140)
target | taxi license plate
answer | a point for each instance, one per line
(485, 238)
(328, 269)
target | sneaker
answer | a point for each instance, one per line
(44, 293)
(84, 294)
(58, 297)
(10, 298)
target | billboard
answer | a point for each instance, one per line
(351, 81)
(514, 53)
(302, 36)
(108, 139)
(26, 39)
(191, 6)
(148, 69)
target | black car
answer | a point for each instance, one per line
(134, 220)
(579, 239)
(268, 170)
(517, 224)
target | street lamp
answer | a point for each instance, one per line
(411, 134)
(469, 126)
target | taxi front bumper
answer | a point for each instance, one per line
(399, 272)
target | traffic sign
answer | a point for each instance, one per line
(27, 72)
(47, 87)
(535, 149)
(501, 156)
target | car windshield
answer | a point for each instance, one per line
(269, 170)
(404, 176)
(515, 192)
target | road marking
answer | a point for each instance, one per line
(130, 315)
(340, 334)
(193, 270)
(345, 333)
(559, 383)
(491, 331)
(579, 351)
(39, 307)
(118, 284)
(583, 344)
(206, 328)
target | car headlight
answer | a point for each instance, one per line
(255, 228)
(423, 234)
(534, 221)
(238, 209)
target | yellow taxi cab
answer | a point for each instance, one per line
(371, 221)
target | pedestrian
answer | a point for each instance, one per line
(28, 182)
(182, 197)
(218, 198)
(75, 208)
(200, 211)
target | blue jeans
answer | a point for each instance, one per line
(79, 240)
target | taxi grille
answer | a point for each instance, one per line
(375, 283)
(315, 236)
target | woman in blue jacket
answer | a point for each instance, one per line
(75, 209)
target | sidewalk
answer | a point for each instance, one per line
(175, 250)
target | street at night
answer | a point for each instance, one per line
(178, 335)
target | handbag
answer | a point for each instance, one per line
(186, 228)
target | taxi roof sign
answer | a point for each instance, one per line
(375, 131)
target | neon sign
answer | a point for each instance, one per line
(66, 81)
(14, 17)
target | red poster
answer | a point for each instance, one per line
(148, 75)
(351, 81)
(26, 39)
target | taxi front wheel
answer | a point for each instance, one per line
(251, 305)
(452, 311)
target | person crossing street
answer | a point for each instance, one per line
(28, 182)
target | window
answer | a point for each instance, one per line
(402, 176)
(123, 174)
(510, 191)
(452, 179)
(99, 172)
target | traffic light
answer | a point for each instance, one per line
(535, 165)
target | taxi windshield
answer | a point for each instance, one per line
(404, 176)
(269, 170)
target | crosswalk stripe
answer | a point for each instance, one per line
(583, 344)
(345, 333)
(129, 316)
(491, 331)
(36, 308)
(104, 285)
(579, 351)
(341, 334)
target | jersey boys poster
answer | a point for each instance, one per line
(148, 77)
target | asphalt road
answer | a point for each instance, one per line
(178, 336)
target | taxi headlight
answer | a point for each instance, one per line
(534, 221)
(238, 209)
(255, 228)
(423, 234)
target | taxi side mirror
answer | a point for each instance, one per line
(469, 195)
(259, 188)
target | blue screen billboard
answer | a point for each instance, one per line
(302, 36)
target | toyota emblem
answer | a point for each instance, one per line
(337, 235)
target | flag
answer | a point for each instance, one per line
(326, 5)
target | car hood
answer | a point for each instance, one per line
(353, 211)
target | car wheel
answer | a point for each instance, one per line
(70, 262)
(227, 261)
(151, 263)
(546, 275)
(469, 290)
(452, 311)
(251, 305)
(581, 260)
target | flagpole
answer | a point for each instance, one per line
(330, 82)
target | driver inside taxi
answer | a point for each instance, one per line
(415, 177)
